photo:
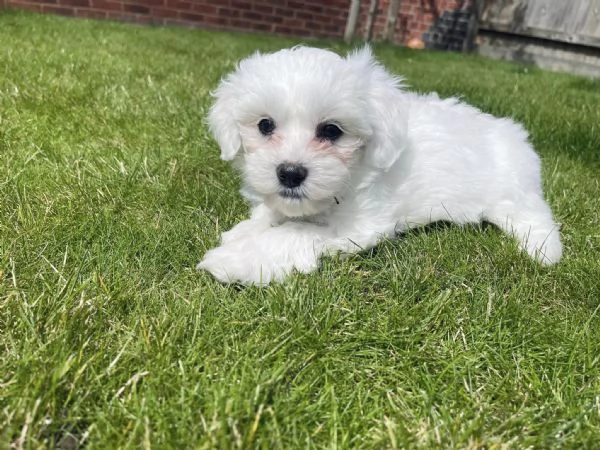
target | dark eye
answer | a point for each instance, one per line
(266, 126)
(329, 131)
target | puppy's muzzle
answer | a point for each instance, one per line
(291, 175)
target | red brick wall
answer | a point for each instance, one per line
(416, 17)
(311, 18)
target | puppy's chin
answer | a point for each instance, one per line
(297, 206)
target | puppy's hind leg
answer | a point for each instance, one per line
(531, 223)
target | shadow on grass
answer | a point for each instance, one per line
(430, 228)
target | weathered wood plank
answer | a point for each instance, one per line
(588, 21)
(551, 16)
(575, 21)
(554, 56)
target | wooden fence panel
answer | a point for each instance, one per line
(574, 21)
(555, 34)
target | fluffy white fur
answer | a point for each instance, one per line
(403, 160)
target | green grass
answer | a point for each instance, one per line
(111, 190)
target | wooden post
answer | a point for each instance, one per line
(371, 20)
(469, 43)
(390, 22)
(352, 19)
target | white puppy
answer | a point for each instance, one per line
(336, 156)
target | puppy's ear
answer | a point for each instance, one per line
(222, 123)
(388, 110)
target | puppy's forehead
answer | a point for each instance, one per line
(295, 81)
(299, 58)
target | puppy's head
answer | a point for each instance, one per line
(300, 120)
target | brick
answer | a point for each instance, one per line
(179, 4)
(220, 21)
(204, 9)
(242, 24)
(165, 12)
(135, 8)
(282, 30)
(321, 8)
(295, 5)
(229, 12)
(315, 26)
(191, 16)
(339, 14)
(80, 3)
(333, 29)
(107, 5)
(251, 15)
(325, 18)
(289, 30)
(25, 5)
(62, 10)
(304, 15)
(91, 13)
(263, 9)
(293, 22)
(242, 4)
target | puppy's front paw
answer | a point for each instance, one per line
(232, 264)
(217, 262)
(270, 256)
(227, 266)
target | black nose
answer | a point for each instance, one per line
(291, 175)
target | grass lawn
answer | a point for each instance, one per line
(111, 190)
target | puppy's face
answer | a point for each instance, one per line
(301, 119)
(299, 163)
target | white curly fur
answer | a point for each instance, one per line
(403, 160)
